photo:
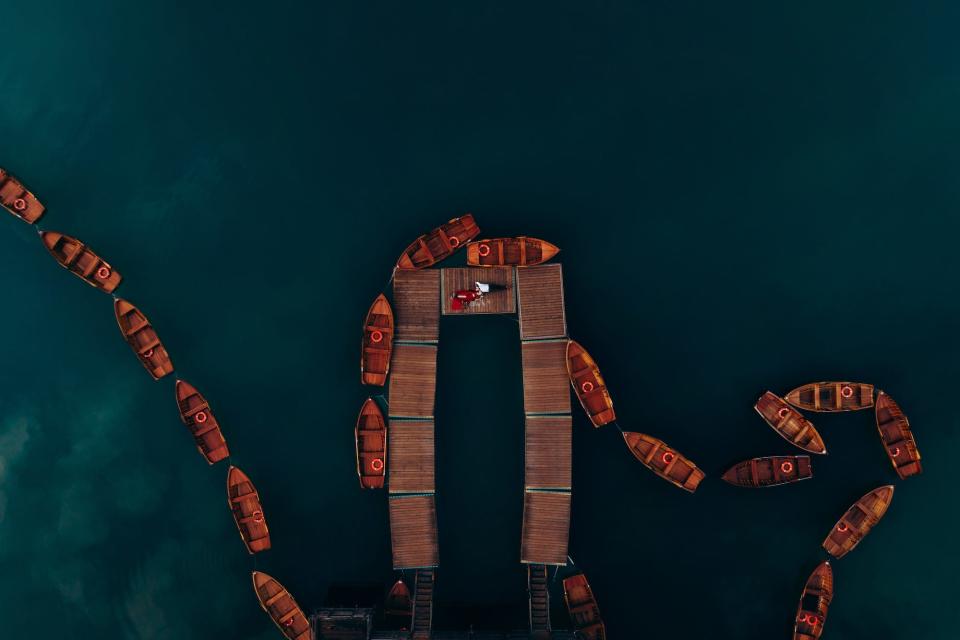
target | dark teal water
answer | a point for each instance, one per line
(747, 197)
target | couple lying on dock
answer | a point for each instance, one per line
(463, 297)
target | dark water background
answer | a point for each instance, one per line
(747, 197)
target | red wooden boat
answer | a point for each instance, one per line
(377, 343)
(398, 602)
(244, 502)
(281, 607)
(16, 199)
(432, 247)
(371, 438)
(769, 472)
(583, 609)
(897, 437)
(832, 396)
(667, 463)
(519, 252)
(814, 603)
(195, 413)
(78, 259)
(139, 334)
(789, 423)
(589, 385)
(858, 521)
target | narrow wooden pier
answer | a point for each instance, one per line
(416, 305)
(411, 456)
(546, 386)
(453, 280)
(413, 380)
(413, 531)
(540, 291)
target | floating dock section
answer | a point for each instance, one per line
(466, 278)
(416, 305)
(548, 424)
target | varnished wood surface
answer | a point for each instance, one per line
(814, 604)
(413, 531)
(413, 381)
(521, 251)
(589, 385)
(897, 437)
(546, 385)
(663, 460)
(281, 607)
(548, 452)
(439, 244)
(377, 343)
(789, 423)
(583, 609)
(412, 464)
(769, 471)
(546, 527)
(18, 200)
(247, 511)
(203, 425)
(416, 304)
(81, 261)
(465, 278)
(826, 397)
(541, 302)
(140, 335)
(370, 436)
(858, 521)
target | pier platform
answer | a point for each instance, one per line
(413, 531)
(416, 305)
(548, 444)
(546, 385)
(541, 304)
(413, 381)
(410, 456)
(546, 527)
(457, 279)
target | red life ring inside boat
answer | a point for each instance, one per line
(103, 273)
(483, 250)
(786, 466)
(376, 464)
(841, 527)
(258, 516)
(200, 417)
(895, 452)
(667, 457)
(811, 619)
(20, 204)
(454, 241)
(586, 386)
(148, 353)
(289, 621)
(783, 412)
(376, 336)
(846, 391)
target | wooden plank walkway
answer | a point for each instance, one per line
(416, 306)
(540, 290)
(410, 456)
(546, 385)
(546, 527)
(548, 452)
(413, 381)
(457, 279)
(413, 531)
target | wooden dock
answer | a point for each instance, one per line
(458, 279)
(413, 381)
(546, 527)
(411, 456)
(547, 452)
(541, 306)
(416, 305)
(546, 386)
(413, 531)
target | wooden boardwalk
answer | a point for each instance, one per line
(413, 381)
(416, 305)
(546, 527)
(413, 531)
(546, 385)
(548, 452)
(410, 459)
(541, 307)
(453, 280)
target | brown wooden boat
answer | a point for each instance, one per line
(16, 199)
(789, 423)
(247, 512)
(664, 461)
(79, 260)
(897, 437)
(281, 607)
(195, 413)
(377, 343)
(582, 606)
(371, 437)
(518, 252)
(832, 396)
(139, 334)
(814, 603)
(858, 521)
(589, 385)
(398, 602)
(770, 471)
(432, 247)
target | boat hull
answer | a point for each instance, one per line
(589, 385)
(140, 335)
(371, 442)
(281, 607)
(247, 511)
(512, 252)
(398, 602)
(81, 261)
(771, 471)
(582, 607)
(897, 437)
(664, 461)
(814, 604)
(18, 200)
(195, 413)
(858, 521)
(377, 344)
(789, 423)
(441, 243)
(830, 397)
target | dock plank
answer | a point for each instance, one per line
(413, 381)
(546, 385)
(546, 527)
(456, 279)
(541, 306)
(416, 306)
(413, 531)
(548, 452)
(410, 460)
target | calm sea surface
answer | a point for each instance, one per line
(747, 198)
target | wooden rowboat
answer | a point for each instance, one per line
(588, 385)
(377, 343)
(244, 502)
(789, 423)
(432, 247)
(832, 396)
(519, 252)
(814, 603)
(139, 334)
(897, 437)
(769, 472)
(398, 602)
(195, 413)
(858, 521)
(16, 199)
(371, 438)
(281, 607)
(79, 260)
(582, 606)
(667, 463)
